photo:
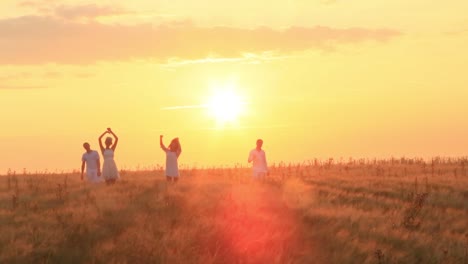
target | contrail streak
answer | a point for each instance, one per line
(246, 127)
(178, 107)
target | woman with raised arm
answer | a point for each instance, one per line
(109, 168)
(172, 154)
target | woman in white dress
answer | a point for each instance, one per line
(172, 154)
(109, 168)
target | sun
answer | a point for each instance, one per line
(226, 106)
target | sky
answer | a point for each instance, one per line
(312, 78)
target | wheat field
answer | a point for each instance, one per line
(345, 211)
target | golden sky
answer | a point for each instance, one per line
(317, 78)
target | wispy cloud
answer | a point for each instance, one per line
(247, 58)
(15, 76)
(36, 4)
(240, 127)
(458, 32)
(88, 11)
(28, 4)
(53, 75)
(228, 126)
(73, 12)
(19, 76)
(21, 87)
(84, 75)
(42, 39)
(92, 12)
(328, 2)
(180, 107)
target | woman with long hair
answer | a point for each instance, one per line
(172, 155)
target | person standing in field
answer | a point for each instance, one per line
(172, 155)
(258, 158)
(109, 168)
(90, 160)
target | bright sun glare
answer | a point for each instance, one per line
(226, 106)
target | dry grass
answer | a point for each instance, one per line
(393, 211)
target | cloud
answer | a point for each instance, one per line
(328, 2)
(246, 58)
(21, 87)
(181, 107)
(52, 75)
(73, 12)
(40, 40)
(87, 11)
(15, 76)
(28, 4)
(35, 3)
(457, 32)
(318, 2)
(84, 75)
(237, 127)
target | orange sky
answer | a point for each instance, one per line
(317, 78)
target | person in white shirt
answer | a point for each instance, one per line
(90, 160)
(258, 158)
(172, 155)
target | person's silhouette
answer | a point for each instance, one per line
(172, 156)
(90, 160)
(109, 168)
(258, 157)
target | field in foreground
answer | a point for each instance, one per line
(398, 211)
